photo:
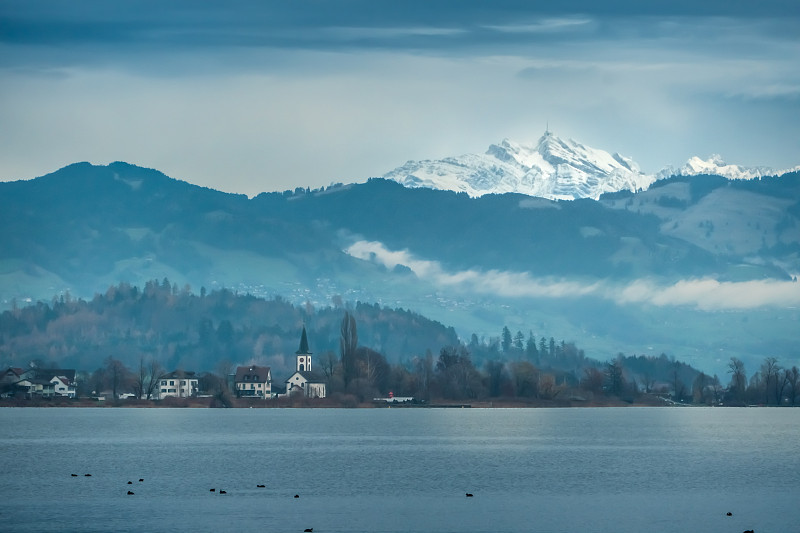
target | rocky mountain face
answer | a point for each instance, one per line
(554, 168)
(716, 166)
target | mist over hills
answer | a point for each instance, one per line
(699, 267)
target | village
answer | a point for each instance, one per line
(250, 381)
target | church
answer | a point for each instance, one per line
(305, 381)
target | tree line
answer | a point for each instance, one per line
(132, 336)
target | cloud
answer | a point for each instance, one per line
(702, 294)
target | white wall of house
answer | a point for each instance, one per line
(61, 388)
(250, 387)
(177, 387)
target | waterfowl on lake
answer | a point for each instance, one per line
(129, 493)
(260, 486)
(223, 492)
(212, 490)
(469, 495)
(296, 495)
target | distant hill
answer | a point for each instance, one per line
(198, 332)
(582, 270)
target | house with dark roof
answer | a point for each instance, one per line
(253, 382)
(305, 381)
(46, 382)
(9, 381)
(178, 384)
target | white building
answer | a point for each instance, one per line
(178, 384)
(63, 386)
(253, 382)
(304, 381)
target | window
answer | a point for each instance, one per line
(164, 382)
(172, 382)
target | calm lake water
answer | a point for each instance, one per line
(401, 470)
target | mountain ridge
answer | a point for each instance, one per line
(633, 272)
(555, 169)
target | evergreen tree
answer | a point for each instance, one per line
(530, 347)
(519, 339)
(506, 339)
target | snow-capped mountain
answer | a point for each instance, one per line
(714, 165)
(552, 168)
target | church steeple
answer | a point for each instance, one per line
(303, 354)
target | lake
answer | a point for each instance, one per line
(400, 470)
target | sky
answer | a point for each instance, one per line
(254, 96)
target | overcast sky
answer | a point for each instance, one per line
(252, 96)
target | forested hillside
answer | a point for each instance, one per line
(181, 329)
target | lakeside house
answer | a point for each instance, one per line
(253, 382)
(178, 384)
(38, 382)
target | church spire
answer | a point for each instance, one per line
(303, 354)
(303, 344)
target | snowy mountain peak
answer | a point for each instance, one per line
(716, 166)
(552, 168)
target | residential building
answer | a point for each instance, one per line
(46, 382)
(63, 386)
(177, 384)
(253, 382)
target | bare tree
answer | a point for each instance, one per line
(117, 375)
(154, 375)
(328, 362)
(792, 382)
(738, 384)
(525, 378)
(547, 387)
(769, 376)
(699, 388)
(592, 380)
(141, 379)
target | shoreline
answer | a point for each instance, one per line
(330, 403)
